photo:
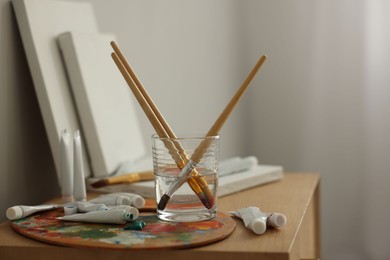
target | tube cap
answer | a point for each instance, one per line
(134, 212)
(128, 216)
(138, 201)
(15, 212)
(70, 210)
(277, 220)
(258, 225)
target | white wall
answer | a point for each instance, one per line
(322, 106)
(188, 56)
(308, 114)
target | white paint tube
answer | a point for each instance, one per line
(111, 200)
(225, 165)
(66, 167)
(253, 219)
(18, 212)
(115, 216)
(134, 211)
(258, 221)
(84, 206)
(79, 190)
(136, 200)
(236, 164)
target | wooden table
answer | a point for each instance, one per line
(297, 196)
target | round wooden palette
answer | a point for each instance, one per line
(156, 234)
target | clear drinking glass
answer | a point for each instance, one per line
(186, 190)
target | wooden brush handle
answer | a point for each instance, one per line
(214, 130)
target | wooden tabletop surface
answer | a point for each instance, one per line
(291, 196)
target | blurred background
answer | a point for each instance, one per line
(320, 104)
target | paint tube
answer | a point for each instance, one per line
(136, 200)
(258, 221)
(66, 167)
(115, 216)
(134, 211)
(276, 220)
(79, 190)
(18, 212)
(253, 219)
(111, 200)
(236, 164)
(84, 206)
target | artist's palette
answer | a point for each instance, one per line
(156, 234)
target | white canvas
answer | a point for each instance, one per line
(40, 22)
(104, 101)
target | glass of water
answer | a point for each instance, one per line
(186, 190)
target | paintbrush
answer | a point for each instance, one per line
(214, 130)
(125, 178)
(161, 126)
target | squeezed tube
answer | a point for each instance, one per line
(258, 221)
(112, 200)
(84, 206)
(136, 200)
(134, 211)
(18, 212)
(253, 219)
(115, 216)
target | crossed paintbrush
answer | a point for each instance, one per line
(197, 182)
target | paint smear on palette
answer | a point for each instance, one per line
(156, 234)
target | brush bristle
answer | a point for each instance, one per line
(163, 202)
(208, 200)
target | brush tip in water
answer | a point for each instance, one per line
(208, 198)
(163, 202)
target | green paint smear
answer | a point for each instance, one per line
(92, 233)
(137, 225)
(185, 237)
